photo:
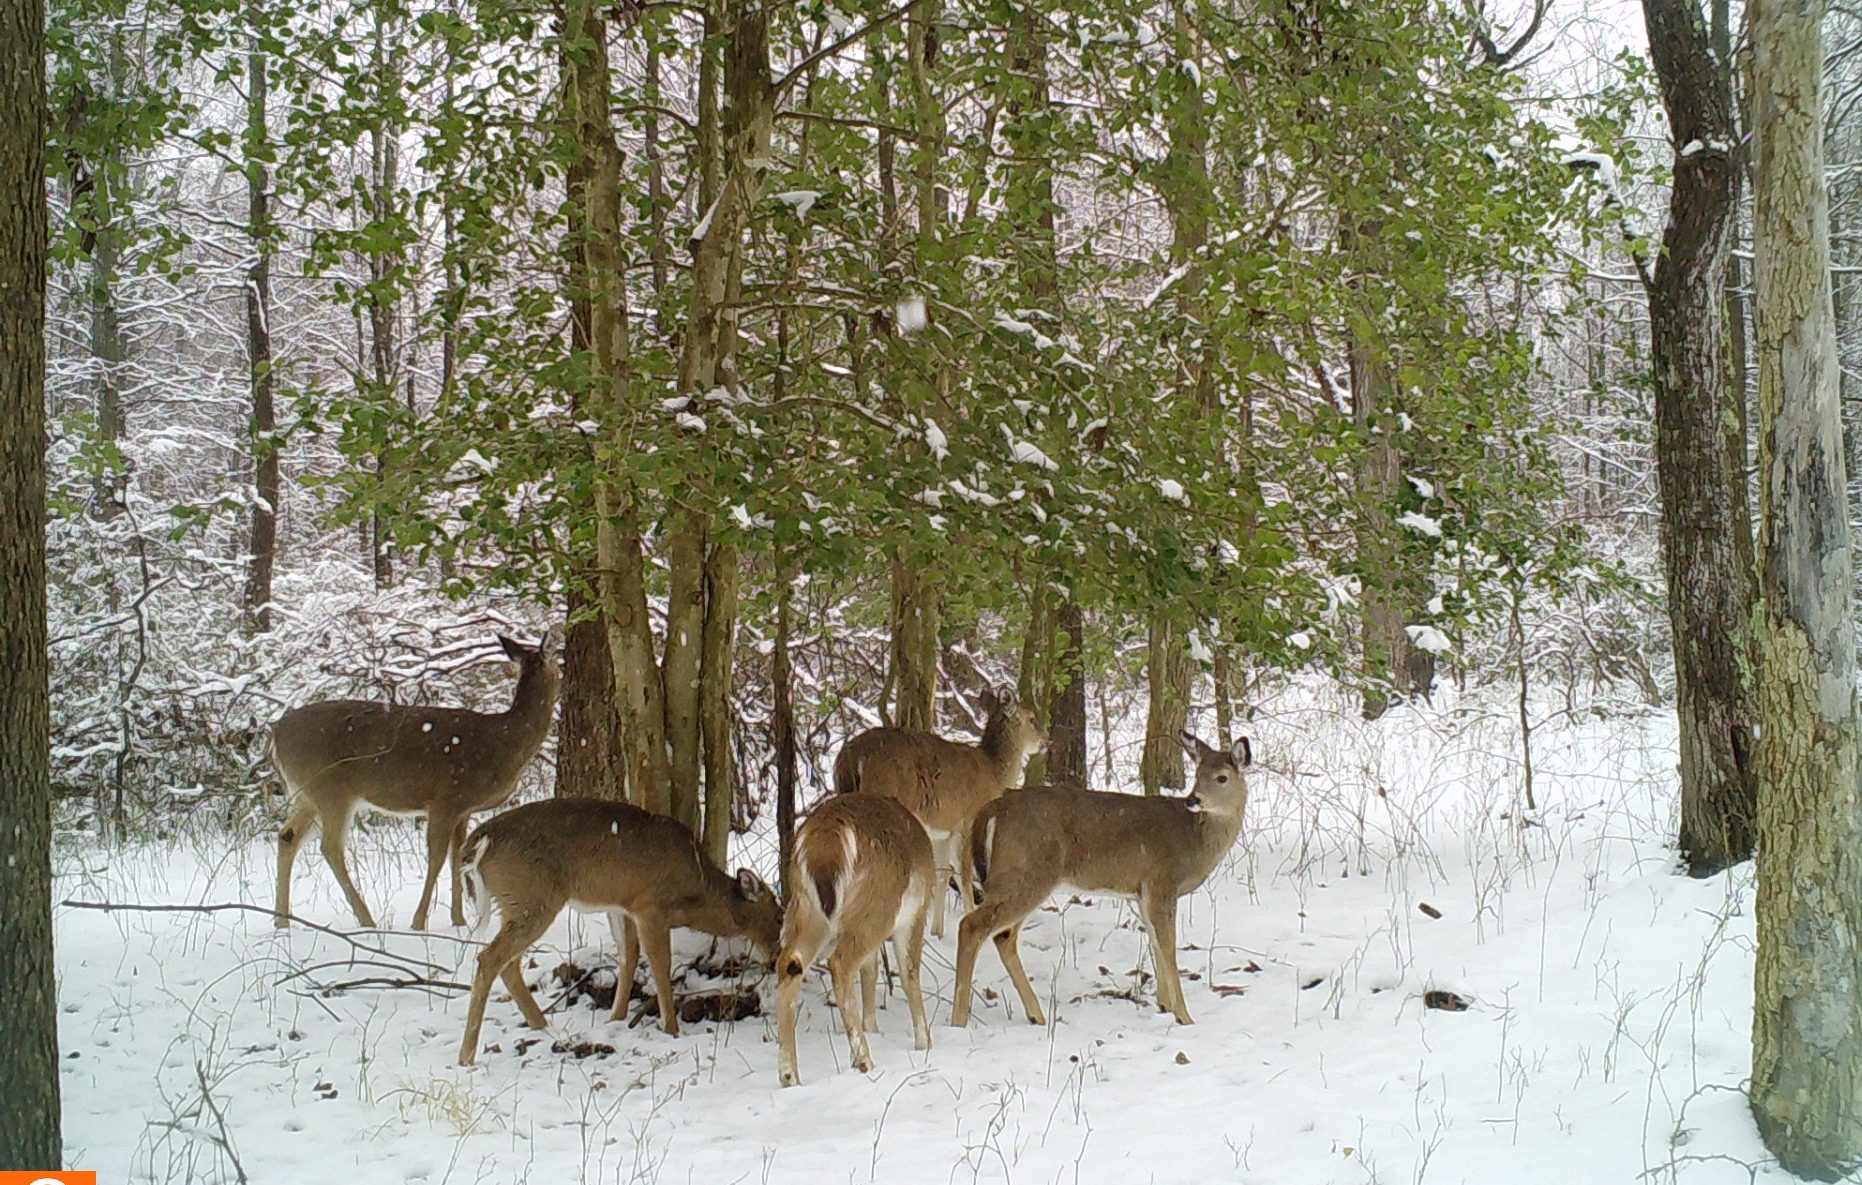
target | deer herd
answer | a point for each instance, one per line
(912, 814)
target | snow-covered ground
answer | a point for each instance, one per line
(1606, 1037)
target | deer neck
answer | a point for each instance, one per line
(533, 704)
(1007, 760)
(1216, 831)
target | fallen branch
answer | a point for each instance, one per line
(241, 907)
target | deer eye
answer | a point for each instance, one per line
(1221, 779)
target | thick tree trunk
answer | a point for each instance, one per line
(262, 540)
(1697, 438)
(29, 1115)
(1066, 727)
(915, 623)
(588, 763)
(1168, 670)
(1807, 1023)
(685, 630)
(782, 724)
(620, 552)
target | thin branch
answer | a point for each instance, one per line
(834, 47)
(242, 907)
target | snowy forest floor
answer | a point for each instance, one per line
(1606, 1037)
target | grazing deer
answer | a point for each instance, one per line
(861, 873)
(647, 871)
(445, 763)
(944, 782)
(1032, 842)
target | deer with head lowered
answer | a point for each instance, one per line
(647, 871)
(861, 873)
(1154, 850)
(944, 782)
(339, 756)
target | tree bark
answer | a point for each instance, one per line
(722, 576)
(782, 723)
(915, 623)
(262, 539)
(108, 348)
(587, 742)
(29, 1118)
(1697, 437)
(1384, 641)
(1807, 1015)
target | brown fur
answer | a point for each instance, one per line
(943, 782)
(1027, 844)
(645, 870)
(844, 903)
(444, 763)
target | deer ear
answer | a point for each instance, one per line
(1192, 744)
(1242, 754)
(751, 885)
(1008, 700)
(512, 648)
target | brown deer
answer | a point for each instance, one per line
(862, 872)
(445, 763)
(944, 782)
(647, 871)
(1031, 842)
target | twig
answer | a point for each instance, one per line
(241, 907)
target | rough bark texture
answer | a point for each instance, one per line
(1380, 470)
(262, 543)
(1807, 1014)
(29, 1132)
(685, 629)
(1697, 435)
(715, 672)
(620, 551)
(915, 603)
(782, 725)
(588, 759)
(1167, 667)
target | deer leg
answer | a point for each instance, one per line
(842, 970)
(335, 837)
(440, 827)
(869, 992)
(1160, 918)
(981, 923)
(788, 991)
(499, 958)
(1008, 946)
(290, 839)
(627, 949)
(453, 849)
(911, 950)
(657, 938)
(940, 882)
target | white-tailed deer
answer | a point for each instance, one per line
(445, 763)
(1032, 842)
(647, 871)
(944, 782)
(861, 873)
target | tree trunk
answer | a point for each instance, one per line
(915, 605)
(262, 543)
(1066, 728)
(1696, 438)
(588, 761)
(782, 724)
(29, 1118)
(107, 346)
(620, 551)
(722, 575)
(1168, 670)
(685, 630)
(1807, 1014)
(1384, 641)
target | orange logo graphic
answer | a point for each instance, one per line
(29, 1178)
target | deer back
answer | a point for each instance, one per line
(861, 862)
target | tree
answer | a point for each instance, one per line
(1807, 1014)
(29, 1132)
(1700, 448)
(263, 539)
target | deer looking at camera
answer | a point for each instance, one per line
(1032, 842)
(647, 871)
(944, 782)
(862, 872)
(445, 763)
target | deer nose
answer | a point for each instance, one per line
(1195, 802)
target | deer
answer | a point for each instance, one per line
(447, 764)
(646, 871)
(944, 782)
(861, 873)
(1154, 850)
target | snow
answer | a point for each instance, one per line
(910, 314)
(470, 465)
(1422, 524)
(1427, 639)
(1607, 1036)
(935, 440)
(1173, 490)
(1026, 452)
(1690, 148)
(799, 200)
